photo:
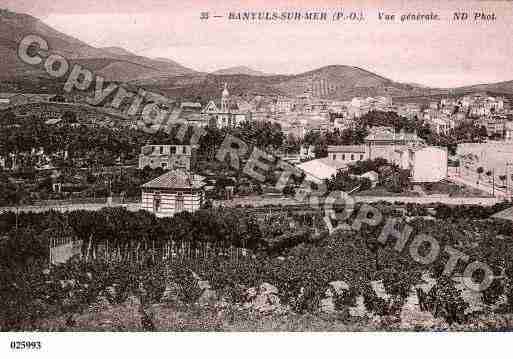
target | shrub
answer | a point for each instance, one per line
(189, 291)
(346, 298)
(492, 294)
(445, 301)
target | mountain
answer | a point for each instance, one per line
(505, 87)
(114, 63)
(336, 82)
(240, 70)
(345, 82)
(117, 51)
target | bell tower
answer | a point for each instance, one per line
(225, 99)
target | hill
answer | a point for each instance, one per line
(117, 51)
(345, 82)
(240, 70)
(331, 82)
(505, 87)
(335, 82)
(117, 64)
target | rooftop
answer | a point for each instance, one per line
(348, 148)
(176, 179)
(321, 168)
(385, 135)
(53, 121)
(506, 214)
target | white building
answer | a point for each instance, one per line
(427, 164)
(320, 169)
(173, 192)
(508, 135)
(442, 124)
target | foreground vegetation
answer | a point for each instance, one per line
(301, 270)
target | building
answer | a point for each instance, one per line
(307, 153)
(409, 110)
(284, 105)
(174, 192)
(426, 164)
(15, 99)
(225, 114)
(191, 106)
(508, 131)
(167, 157)
(442, 124)
(495, 125)
(384, 142)
(347, 154)
(341, 123)
(318, 170)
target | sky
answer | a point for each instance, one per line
(440, 53)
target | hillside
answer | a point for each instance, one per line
(240, 70)
(117, 64)
(340, 83)
(505, 87)
(335, 82)
(345, 82)
(117, 51)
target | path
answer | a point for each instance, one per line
(134, 207)
(471, 181)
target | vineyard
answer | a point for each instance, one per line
(226, 263)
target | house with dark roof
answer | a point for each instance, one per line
(174, 192)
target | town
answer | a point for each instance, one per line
(463, 142)
(138, 194)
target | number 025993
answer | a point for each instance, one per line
(25, 345)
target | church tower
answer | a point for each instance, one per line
(225, 99)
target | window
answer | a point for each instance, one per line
(161, 149)
(361, 157)
(344, 157)
(179, 202)
(163, 165)
(172, 150)
(352, 157)
(334, 157)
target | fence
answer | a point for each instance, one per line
(98, 200)
(167, 251)
(62, 249)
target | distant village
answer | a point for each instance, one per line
(299, 119)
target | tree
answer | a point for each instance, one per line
(489, 174)
(445, 301)
(503, 179)
(479, 171)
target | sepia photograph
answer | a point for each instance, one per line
(255, 167)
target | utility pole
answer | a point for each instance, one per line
(17, 197)
(507, 181)
(493, 182)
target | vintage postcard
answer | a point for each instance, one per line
(255, 166)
